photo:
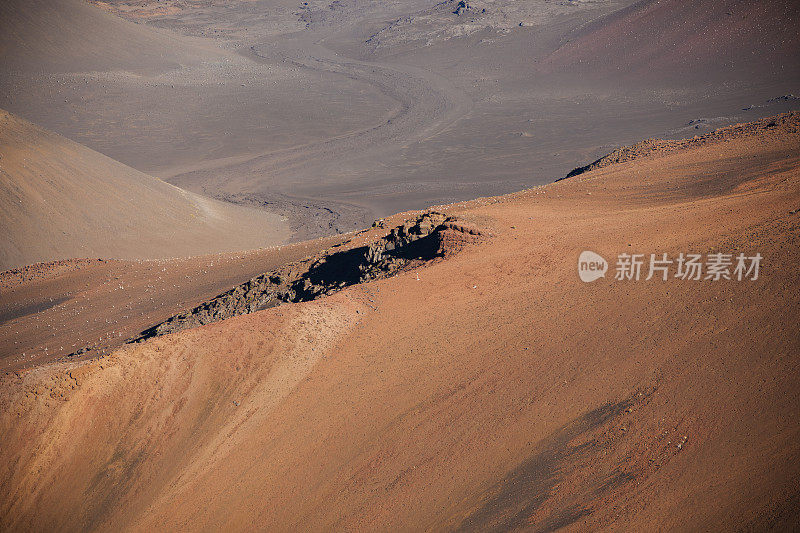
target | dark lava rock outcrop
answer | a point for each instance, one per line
(430, 236)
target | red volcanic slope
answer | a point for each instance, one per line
(712, 39)
(491, 390)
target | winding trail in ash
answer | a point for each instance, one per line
(427, 104)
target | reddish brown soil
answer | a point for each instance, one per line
(492, 390)
(700, 42)
(51, 310)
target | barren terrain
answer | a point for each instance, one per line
(61, 200)
(335, 113)
(312, 266)
(392, 405)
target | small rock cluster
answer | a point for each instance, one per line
(461, 6)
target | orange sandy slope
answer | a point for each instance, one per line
(491, 390)
(51, 310)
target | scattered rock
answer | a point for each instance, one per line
(784, 98)
(786, 122)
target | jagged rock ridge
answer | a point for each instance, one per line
(430, 236)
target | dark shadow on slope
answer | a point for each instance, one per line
(515, 500)
(430, 236)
